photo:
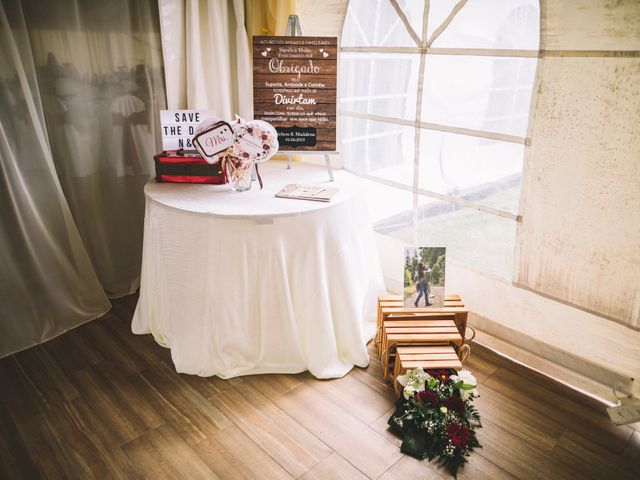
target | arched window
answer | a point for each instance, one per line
(434, 104)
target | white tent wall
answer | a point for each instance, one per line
(575, 294)
(579, 239)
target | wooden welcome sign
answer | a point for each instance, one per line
(294, 89)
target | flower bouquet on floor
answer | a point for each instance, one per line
(435, 416)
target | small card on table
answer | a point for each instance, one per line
(316, 193)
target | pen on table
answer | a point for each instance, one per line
(318, 192)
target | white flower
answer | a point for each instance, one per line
(466, 376)
(413, 381)
(468, 388)
(408, 392)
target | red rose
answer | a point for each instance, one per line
(427, 396)
(441, 375)
(458, 435)
(265, 147)
(455, 404)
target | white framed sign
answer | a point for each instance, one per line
(179, 126)
(213, 138)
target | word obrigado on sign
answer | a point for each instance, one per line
(279, 66)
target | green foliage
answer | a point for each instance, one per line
(431, 430)
(438, 271)
(432, 256)
(408, 278)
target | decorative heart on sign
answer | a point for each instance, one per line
(264, 53)
(325, 54)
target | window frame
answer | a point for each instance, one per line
(423, 47)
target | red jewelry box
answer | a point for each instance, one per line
(184, 166)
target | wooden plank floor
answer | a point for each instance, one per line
(100, 402)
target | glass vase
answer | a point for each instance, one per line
(238, 175)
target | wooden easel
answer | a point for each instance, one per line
(294, 30)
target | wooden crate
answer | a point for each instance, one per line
(425, 332)
(425, 357)
(399, 298)
(390, 304)
(461, 314)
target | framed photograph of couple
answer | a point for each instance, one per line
(424, 275)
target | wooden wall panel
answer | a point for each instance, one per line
(294, 88)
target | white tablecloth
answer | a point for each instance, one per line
(244, 283)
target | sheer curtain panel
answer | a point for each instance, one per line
(206, 56)
(99, 66)
(82, 83)
(47, 283)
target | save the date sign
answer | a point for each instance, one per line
(179, 126)
(294, 89)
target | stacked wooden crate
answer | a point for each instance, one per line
(430, 338)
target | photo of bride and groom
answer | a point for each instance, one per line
(424, 273)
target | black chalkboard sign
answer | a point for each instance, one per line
(297, 136)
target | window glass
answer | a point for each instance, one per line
(378, 148)
(376, 23)
(413, 11)
(379, 84)
(475, 239)
(476, 169)
(497, 100)
(438, 12)
(385, 202)
(475, 87)
(499, 24)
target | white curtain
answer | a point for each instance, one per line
(81, 86)
(47, 283)
(99, 65)
(206, 56)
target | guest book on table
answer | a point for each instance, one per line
(316, 193)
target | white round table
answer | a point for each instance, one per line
(245, 283)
